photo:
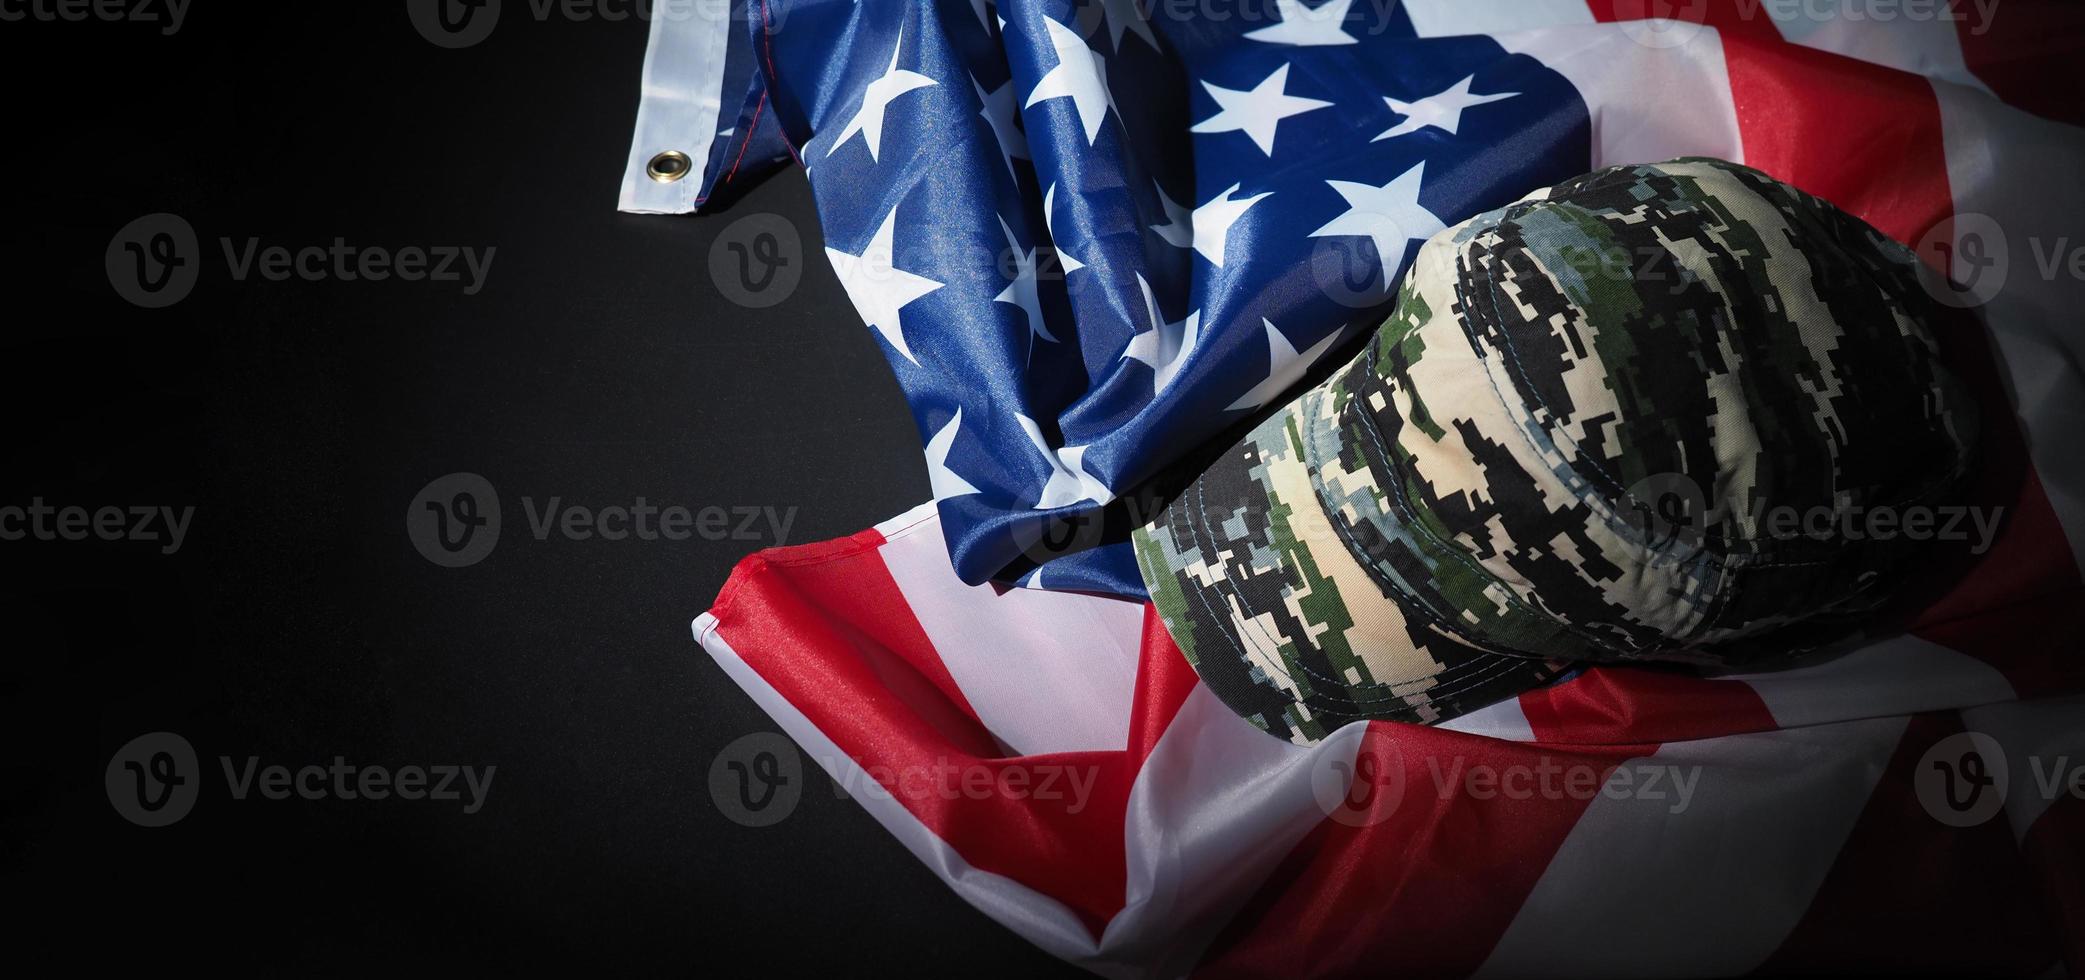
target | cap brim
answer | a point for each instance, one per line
(1261, 590)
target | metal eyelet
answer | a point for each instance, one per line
(668, 167)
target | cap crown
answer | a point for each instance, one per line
(1572, 432)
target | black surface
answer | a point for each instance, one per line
(298, 623)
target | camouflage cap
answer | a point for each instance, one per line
(1558, 450)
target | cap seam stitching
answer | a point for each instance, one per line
(1314, 461)
(1467, 680)
(1512, 352)
(1408, 513)
(1221, 584)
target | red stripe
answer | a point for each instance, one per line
(1164, 680)
(1908, 894)
(828, 628)
(2025, 51)
(1416, 875)
(1430, 888)
(857, 604)
(1635, 705)
(1865, 137)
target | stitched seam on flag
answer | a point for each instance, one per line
(767, 38)
(748, 141)
(793, 556)
(767, 44)
(1441, 689)
(768, 47)
(908, 529)
(748, 568)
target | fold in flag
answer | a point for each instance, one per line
(1052, 757)
(1091, 237)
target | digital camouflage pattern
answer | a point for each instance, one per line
(1557, 449)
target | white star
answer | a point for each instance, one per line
(999, 114)
(1080, 75)
(1390, 215)
(1257, 111)
(945, 482)
(1021, 291)
(979, 7)
(1064, 258)
(1069, 482)
(1442, 109)
(1302, 25)
(1179, 229)
(1127, 14)
(879, 290)
(1166, 345)
(868, 120)
(1284, 366)
(1213, 221)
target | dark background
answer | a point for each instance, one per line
(298, 624)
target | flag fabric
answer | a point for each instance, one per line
(1054, 759)
(1091, 237)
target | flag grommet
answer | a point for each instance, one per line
(667, 167)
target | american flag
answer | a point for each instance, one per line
(1092, 236)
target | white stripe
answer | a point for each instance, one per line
(683, 99)
(1638, 890)
(1035, 916)
(1902, 675)
(2044, 743)
(2022, 171)
(1199, 837)
(921, 514)
(1503, 720)
(1648, 103)
(1217, 806)
(1447, 18)
(1880, 34)
(1045, 671)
